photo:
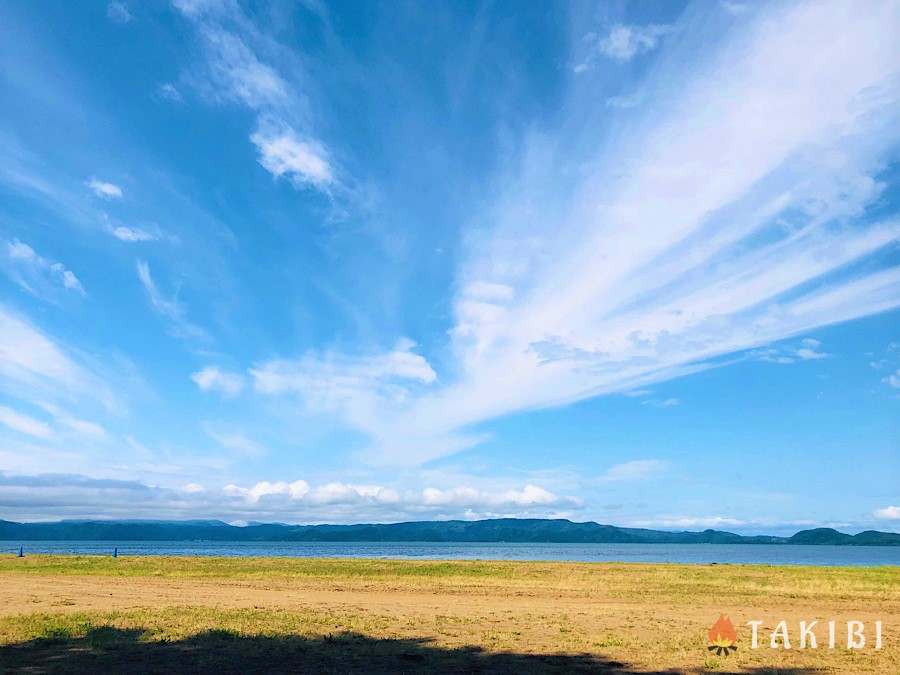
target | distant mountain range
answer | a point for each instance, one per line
(511, 530)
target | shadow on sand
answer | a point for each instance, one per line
(111, 650)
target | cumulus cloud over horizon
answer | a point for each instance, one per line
(71, 495)
(29, 498)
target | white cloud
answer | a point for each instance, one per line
(19, 251)
(28, 357)
(170, 308)
(806, 354)
(194, 8)
(169, 92)
(193, 488)
(428, 500)
(132, 234)
(68, 421)
(105, 190)
(359, 387)
(282, 153)
(343, 493)
(733, 7)
(83, 427)
(622, 43)
(118, 12)
(810, 350)
(37, 274)
(530, 495)
(888, 513)
(806, 350)
(639, 469)
(239, 67)
(623, 102)
(693, 233)
(212, 378)
(69, 279)
(893, 380)
(691, 522)
(35, 369)
(24, 424)
(296, 490)
(239, 73)
(486, 291)
(234, 440)
(662, 403)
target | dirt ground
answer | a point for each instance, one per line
(601, 617)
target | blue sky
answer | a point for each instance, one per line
(312, 262)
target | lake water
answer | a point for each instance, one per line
(647, 553)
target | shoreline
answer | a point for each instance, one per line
(437, 561)
(694, 554)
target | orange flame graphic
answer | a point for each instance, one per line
(722, 636)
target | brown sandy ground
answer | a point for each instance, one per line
(158, 614)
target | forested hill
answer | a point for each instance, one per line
(497, 530)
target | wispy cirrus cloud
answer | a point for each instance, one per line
(638, 469)
(68, 422)
(212, 378)
(357, 387)
(105, 189)
(233, 440)
(670, 402)
(733, 7)
(696, 233)
(239, 66)
(808, 349)
(37, 274)
(621, 43)
(169, 92)
(132, 234)
(45, 375)
(118, 11)
(170, 308)
(23, 423)
(31, 360)
(64, 422)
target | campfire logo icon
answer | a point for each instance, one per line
(722, 636)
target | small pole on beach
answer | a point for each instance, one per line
(21, 552)
(116, 552)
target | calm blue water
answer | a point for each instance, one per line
(675, 553)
